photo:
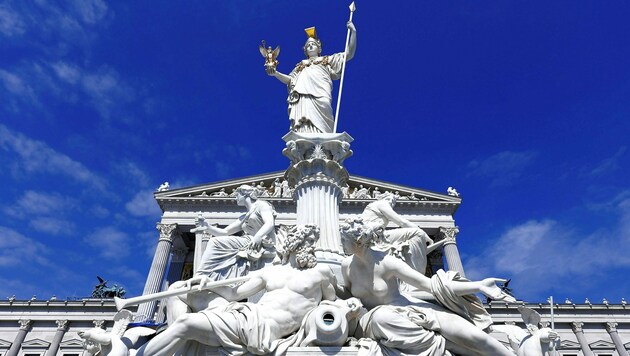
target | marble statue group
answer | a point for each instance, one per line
(374, 306)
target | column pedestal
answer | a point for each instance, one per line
(317, 173)
(453, 261)
(158, 270)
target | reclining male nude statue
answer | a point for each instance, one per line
(291, 291)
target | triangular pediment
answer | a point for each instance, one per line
(601, 344)
(4, 344)
(569, 345)
(35, 343)
(71, 344)
(369, 188)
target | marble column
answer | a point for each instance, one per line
(611, 327)
(579, 334)
(318, 175)
(62, 327)
(158, 270)
(453, 261)
(25, 327)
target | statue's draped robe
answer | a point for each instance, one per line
(226, 256)
(310, 93)
(414, 329)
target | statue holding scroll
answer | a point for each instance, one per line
(310, 84)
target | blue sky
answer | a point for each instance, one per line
(522, 106)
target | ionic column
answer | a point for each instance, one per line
(579, 334)
(25, 327)
(62, 327)
(611, 327)
(453, 261)
(158, 269)
(317, 173)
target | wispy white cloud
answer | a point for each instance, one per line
(17, 249)
(503, 168)
(67, 72)
(111, 243)
(132, 173)
(15, 85)
(32, 156)
(52, 225)
(540, 254)
(11, 23)
(106, 90)
(90, 11)
(609, 164)
(39, 203)
(143, 204)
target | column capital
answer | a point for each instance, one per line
(99, 323)
(167, 231)
(577, 326)
(62, 324)
(611, 326)
(25, 324)
(449, 234)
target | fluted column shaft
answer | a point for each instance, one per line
(318, 203)
(611, 327)
(62, 327)
(453, 260)
(579, 334)
(25, 326)
(158, 269)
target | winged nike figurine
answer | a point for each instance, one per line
(271, 56)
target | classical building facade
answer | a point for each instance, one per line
(30, 328)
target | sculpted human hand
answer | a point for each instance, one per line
(351, 27)
(197, 280)
(256, 243)
(271, 70)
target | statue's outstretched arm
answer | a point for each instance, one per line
(228, 230)
(271, 71)
(243, 291)
(352, 43)
(487, 286)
